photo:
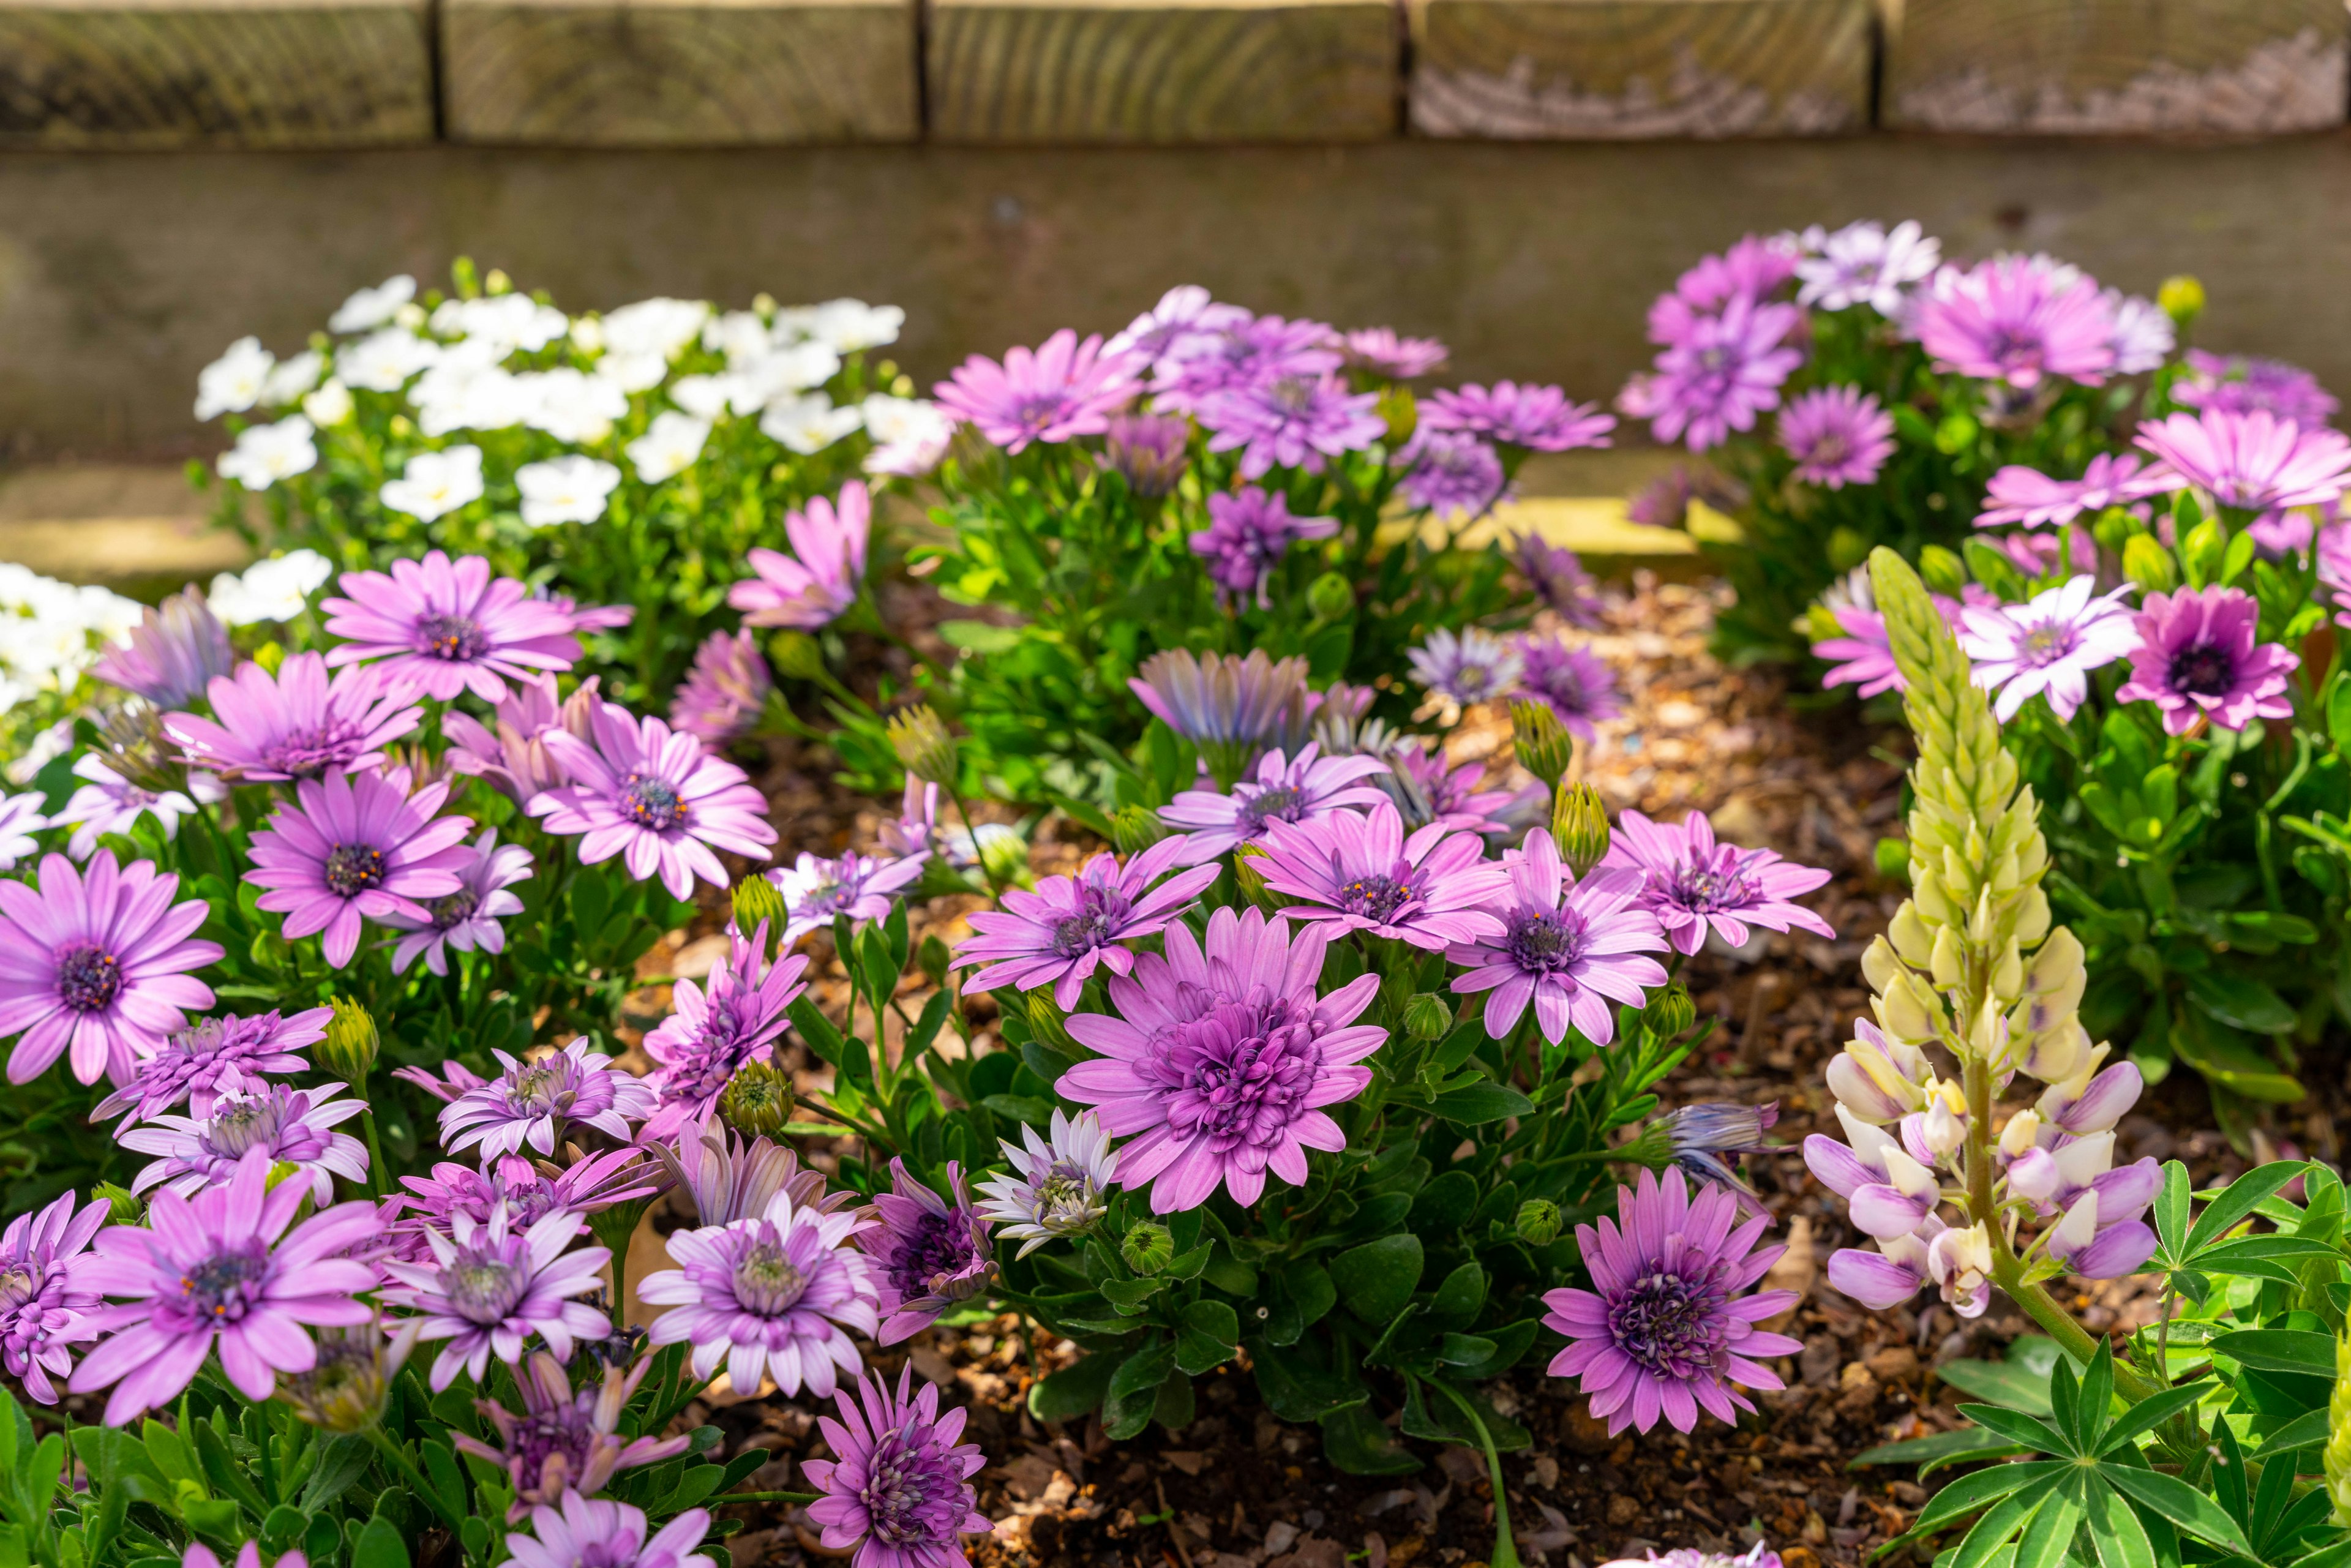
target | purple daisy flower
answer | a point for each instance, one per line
(467, 918)
(525, 1192)
(1571, 682)
(1452, 475)
(2025, 497)
(1283, 791)
(853, 887)
(1837, 435)
(1466, 667)
(1058, 1186)
(1070, 925)
(1185, 312)
(298, 724)
(601, 1534)
(2241, 384)
(729, 1180)
(2047, 646)
(1290, 422)
(293, 1126)
(1717, 375)
(1538, 418)
(20, 819)
(44, 1307)
(1559, 579)
(213, 1057)
(1379, 352)
(654, 796)
(1358, 870)
(899, 1491)
(1220, 1059)
(1149, 451)
(536, 1102)
(1865, 264)
(2197, 656)
(828, 539)
(1251, 351)
(516, 760)
(2016, 318)
(1229, 706)
(1427, 788)
(725, 692)
(178, 649)
(1568, 947)
(1248, 532)
(1665, 1331)
(767, 1297)
(564, 1441)
(448, 627)
(1749, 269)
(2253, 462)
(357, 846)
(220, 1268)
(95, 963)
(1693, 885)
(734, 1017)
(925, 1254)
(110, 803)
(489, 1288)
(1061, 389)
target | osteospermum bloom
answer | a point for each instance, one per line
(2198, 655)
(564, 1440)
(1070, 925)
(176, 650)
(1220, 1060)
(1558, 578)
(1185, 311)
(828, 539)
(1457, 477)
(730, 1180)
(516, 758)
(854, 888)
(293, 1126)
(94, 966)
(927, 1253)
(296, 725)
(1382, 352)
(1571, 948)
(1465, 667)
(1358, 870)
(734, 1017)
(1226, 704)
(1426, 786)
(1290, 422)
(1865, 264)
(43, 1307)
(1058, 1186)
(1057, 391)
(1573, 683)
(467, 918)
(2017, 319)
(107, 802)
(220, 1268)
(1284, 790)
(1693, 885)
(1149, 451)
(725, 692)
(1754, 266)
(603, 1535)
(1248, 532)
(447, 627)
(1665, 1331)
(1837, 435)
(1538, 418)
(1250, 350)
(2026, 497)
(534, 1103)
(654, 796)
(213, 1057)
(525, 1191)
(898, 1492)
(2256, 461)
(2047, 646)
(357, 846)
(767, 1297)
(20, 819)
(1718, 374)
(488, 1289)
(2243, 383)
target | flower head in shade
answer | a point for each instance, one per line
(1426, 786)
(358, 846)
(2198, 655)
(515, 759)
(1228, 705)
(489, 1288)
(724, 695)
(446, 627)
(2017, 319)
(768, 1296)
(1218, 1059)
(583, 1535)
(1694, 884)
(213, 1057)
(1866, 263)
(734, 1017)
(1837, 435)
(828, 539)
(297, 725)
(1379, 352)
(816, 892)
(20, 819)
(655, 797)
(1558, 578)
(1571, 682)
(898, 1492)
(1664, 1330)
(1864, 656)
(2239, 383)
(1455, 476)
(467, 918)
(94, 966)
(1248, 532)
(1058, 1186)
(1149, 451)
(562, 1440)
(1751, 268)
(1359, 872)
(1057, 391)
(1283, 790)
(219, 1270)
(2026, 497)
(110, 803)
(1466, 667)
(730, 1180)
(1717, 375)
(43, 1308)
(1571, 948)
(2256, 461)
(173, 654)
(2047, 646)
(1290, 422)
(534, 1103)
(1070, 925)
(294, 1127)
(927, 1253)
(1538, 418)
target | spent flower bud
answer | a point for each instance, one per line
(1426, 1016)
(1135, 829)
(1539, 1221)
(923, 745)
(1544, 747)
(1579, 826)
(350, 1049)
(1148, 1248)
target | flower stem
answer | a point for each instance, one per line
(415, 1476)
(1506, 1549)
(375, 1154)
(766, 1497)
(620, 1288)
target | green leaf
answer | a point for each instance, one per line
(2150, 1413)
(341, 1463)
(1133, 1391)
(2244, 1194)
(1509, 1342)
(2097, 1398)
(1943, 1448)
(2016, 1427)
(2305, 1430)
(2171, 1212)
(1355, 1442)
(2176, 1500)
(1458, 1298)
(1990, 1539)
(978, 636)
(1445, 1202)
(1208, 1336)
(378, 1546)
(1480, 1103)
(1378, 1278)
(2119, 1538)
(2000, 1382)
(699, 1481)
(2279, 1350)
(2240, 1001)
(1066, 1395)
(1295, 1389)
(2049, 1531)
(1981, 1488)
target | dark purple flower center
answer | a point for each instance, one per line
(1668, 1324)
(456, 637)
(1242, 1073)
(1274, 803)
(1292, 395)
(765, 1282)
(912, 1491)
(934, 1257)
(455, 909)
(2203, 670)
(651, 804)
(89, 978)
(483, 1286)
(1828, 447)
(1717, 884)
(1544, 941)
(220, 1289)
(2013, 348)
(1376, 896)
(309, 753)
(1039, 411)
(354, 869)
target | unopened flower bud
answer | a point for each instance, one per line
(797, 654)
(924, 746)
(1401, 412)
(1046, 1022)
(1943, 570)
(1148, 1248)
(2182, 299)
(1579, 826)
(1669, 1013)
(1331, 597)
(1135, 829)
(1538, 1222)
(350, 1049)
(1544, 747)
(2147, 563)
(757, 1100)
(1005, 857)
(343, 1391)
(2022, 1132)
(1251, 879)
(124, 1206)
(1425, 1016)
(756, 899)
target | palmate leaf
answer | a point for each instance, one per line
(2115, 1532)
(2049, 1531)
(2018, 1427)
(2150, 1413)
(2174, 1499)
(2236, 1203)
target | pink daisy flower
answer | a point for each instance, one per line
(488, 1289)
(898, 1492)
(515, 759)
(1070, 925)
(1358, 870)
(853, 887)
(1693, 885)
(536, 1102)
(354, 847)
(2199, 655)
(828, 539)
(2253, 462)
(927, 1253)
(45, 1308)
(213, 1057)
(604, 1534)
(771, 1296)
(293, 1126)
(448, 627)
(467, 918)
(1571, 948)
(1573, 683)
(564, 1440)
(654, 796)
(2047, 646)
(2025, 497)
(1717, 374)
(1283, 791)
(178, 648)
(1290, 422)
(722, 697)
(734, 1017)
(1837, 435)
(297, 725)
(1248, 532)
(2016, 318)
(1061, 389)
(1379, 352)
(1538, 418)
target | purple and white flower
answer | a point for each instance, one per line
(1693, 885)
(292, 1126)
(1359, 872)
(770, 1296)
(2048, 646)
(1070, 925)
(1571, 948)
(534, 1103)
(927, 1253)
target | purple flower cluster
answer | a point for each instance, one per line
(1250, 530)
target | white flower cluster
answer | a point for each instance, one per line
(51, 631)
(453, 371)
(278, 589)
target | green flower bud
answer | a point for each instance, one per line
(2114, 527)
(2148, 564)
(344, 1390)
(1047, 1020)
(2182, 299)
(1252, 880)
(2337, 1460)
(1005, 857)
(1892, 858)
(1401, 414)
(1847, 547)
(497, 282)
(797, 654)
(1956, 432)
(1670, 1012)
(1426, 1017)
(1945, 573)
(350, 1049)
(1539, 1221)
(1331, 597)
(756, 899)
(1135, 829)
(924, 748)
(933, 960)
(757, 1100)
(1148, 1248)
(1579, 826)
(125, 1206)
(1544, 747)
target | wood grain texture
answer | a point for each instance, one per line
(1632, 70)
(1163, 70)
(218, 73)
(629, 73)
(2100, 66)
